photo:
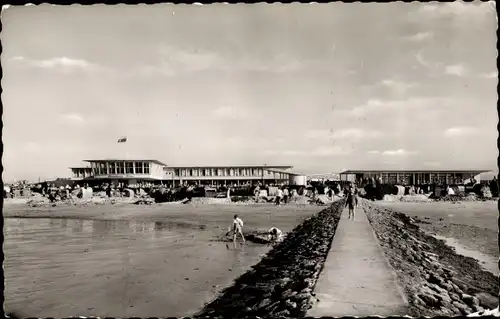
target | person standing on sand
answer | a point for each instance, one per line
(279, 195)
(352, 202)
(286, 194)
(237, 228)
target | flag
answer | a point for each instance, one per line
(122, 140)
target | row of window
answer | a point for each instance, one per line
(249, 172)
(110, 168)
(419, 178)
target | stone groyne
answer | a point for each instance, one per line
(437, 280)
(282, 284)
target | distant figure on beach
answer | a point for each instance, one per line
(279, 196)
(256, 193)
(286, 194)
(237, 228)
(274, 235)
(351, 201)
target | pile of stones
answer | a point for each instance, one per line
(282, 284)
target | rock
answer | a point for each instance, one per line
(486, 300)
(463, 308)
(477, 308)
(429, 300)
(288, 294)
(448, 286)
(454, 296)
(301, 296)
(435, 279)
(461, 284)
(284, 313)
(264, 303)
(469, 300)
(290, 304)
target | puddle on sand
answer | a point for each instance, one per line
(71, 267)
(486, 262)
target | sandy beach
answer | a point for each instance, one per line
(128, 260)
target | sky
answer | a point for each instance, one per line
(320, 87)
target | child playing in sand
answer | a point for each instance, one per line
(275, 235)
(352, 201)
(237, 228)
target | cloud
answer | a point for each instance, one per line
(421, 36)
(329, 151)
(73, 118)
(174, 61)
(397, 86)
(227, 112)
(457, 8)
(343, 134)
(491, 75)
(285, 152)
(460, 131)
(61, 63)
(398, 152)
(456, 69)
(403, 105)
(317, 152)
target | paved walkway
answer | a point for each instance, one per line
(356, 279)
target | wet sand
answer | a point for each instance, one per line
(129, 260)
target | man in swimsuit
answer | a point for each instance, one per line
(237, 228)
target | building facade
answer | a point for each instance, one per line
(413, 177)
(136, 171)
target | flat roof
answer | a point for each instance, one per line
(126, 160)
(283, 172)
(233, 166)
(417, 171)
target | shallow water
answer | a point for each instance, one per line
(486, 262)
(74, 267)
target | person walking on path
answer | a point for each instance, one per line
(237, 228)
(351, 202)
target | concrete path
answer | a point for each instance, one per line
(356, 279)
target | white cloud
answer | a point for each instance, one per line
(457, 8)
(460, 131)
(397, 86)
(456, 69)
(73, 117)
(329, 151)
(61, 63)
(319, 151)
(491, 75)
(411, 104)
(398, 152)
(421, 36)
(343, 134)
(285, 152)
(227, 112)
(174, 61)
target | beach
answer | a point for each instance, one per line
(128, 260)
